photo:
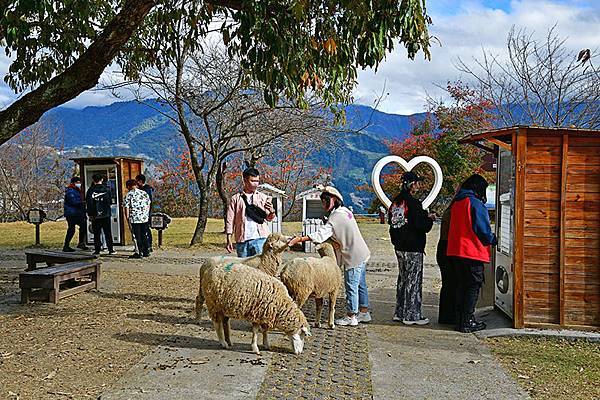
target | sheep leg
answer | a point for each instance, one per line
(332, 299)
(266, 344)
(227, 330)
(218, 323)
(255, 329)
(318, 311)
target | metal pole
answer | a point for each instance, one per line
(160, 238)
(37, 234)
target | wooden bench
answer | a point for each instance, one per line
(45, 284)
(51, 257)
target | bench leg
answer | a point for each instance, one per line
(25, 294)
(96, 277)
(53, 296)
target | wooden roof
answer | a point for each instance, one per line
(501, 133)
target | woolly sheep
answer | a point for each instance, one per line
(314, 277)
(238, 291)
(269, 261)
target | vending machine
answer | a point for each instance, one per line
(503, 257)
(109, 171)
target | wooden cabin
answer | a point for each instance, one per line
(548, 224)
(118, 170)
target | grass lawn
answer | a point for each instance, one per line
(18, 235)
(551, 368)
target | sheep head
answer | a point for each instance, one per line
(276, 242)
(297, 339)
(326, 250)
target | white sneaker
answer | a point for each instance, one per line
(396, 318)
(364, 317)
(347, 321)
(422, 321)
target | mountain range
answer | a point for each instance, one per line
(132, 128)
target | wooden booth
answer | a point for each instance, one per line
(547, 262)
(277, 196)
(117, 170)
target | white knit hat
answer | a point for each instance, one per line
(333, 191)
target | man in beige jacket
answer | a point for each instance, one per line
(248, 227)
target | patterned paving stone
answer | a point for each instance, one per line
(334, 364)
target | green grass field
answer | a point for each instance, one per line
(19, 235)
(551, 368)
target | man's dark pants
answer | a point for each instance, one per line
(139, 234)
(98, 225)
(73, 222)
(469, 279)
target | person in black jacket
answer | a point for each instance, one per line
(141, 183)
(409, 224)
(98, 201)
(447, 309)
(74, 211)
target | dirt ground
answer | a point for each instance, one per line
(77, 348)
(86, 342)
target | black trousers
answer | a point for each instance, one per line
(447, 309)
(148, 235)
(73, 222)
(139, 235)
(102, 225)
(469, 279)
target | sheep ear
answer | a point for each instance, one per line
(306, 331)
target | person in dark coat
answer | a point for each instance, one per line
(447, 312)
(409, 224)
(141, 182)
(98, 202)
(74, 211)
(470, 237)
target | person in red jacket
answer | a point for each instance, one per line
(469, 239)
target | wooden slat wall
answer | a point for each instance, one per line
(581, 278)
(541, 242)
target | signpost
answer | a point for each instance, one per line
(36, 216)
(159, 221)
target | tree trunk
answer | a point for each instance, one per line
(198, 236)
(221, 191)
(81, 76)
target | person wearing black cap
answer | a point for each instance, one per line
(74, 211)
(409, 224)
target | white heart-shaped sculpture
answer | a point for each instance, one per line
(437, 172)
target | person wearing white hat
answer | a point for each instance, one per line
(351, 251)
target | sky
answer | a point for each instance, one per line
(462, 28)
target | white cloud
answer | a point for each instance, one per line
(464, 34)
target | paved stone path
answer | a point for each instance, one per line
(334, 365)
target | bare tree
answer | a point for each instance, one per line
(221, 114)
(541, 82)
(32, 172)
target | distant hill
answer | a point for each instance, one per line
(136, 129)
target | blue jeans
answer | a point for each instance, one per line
(355, 281)
(250, 247)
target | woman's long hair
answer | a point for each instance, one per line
(327, 196)
(477, 184)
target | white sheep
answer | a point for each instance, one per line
(314, 277)
(238, 291)
(269, 261)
